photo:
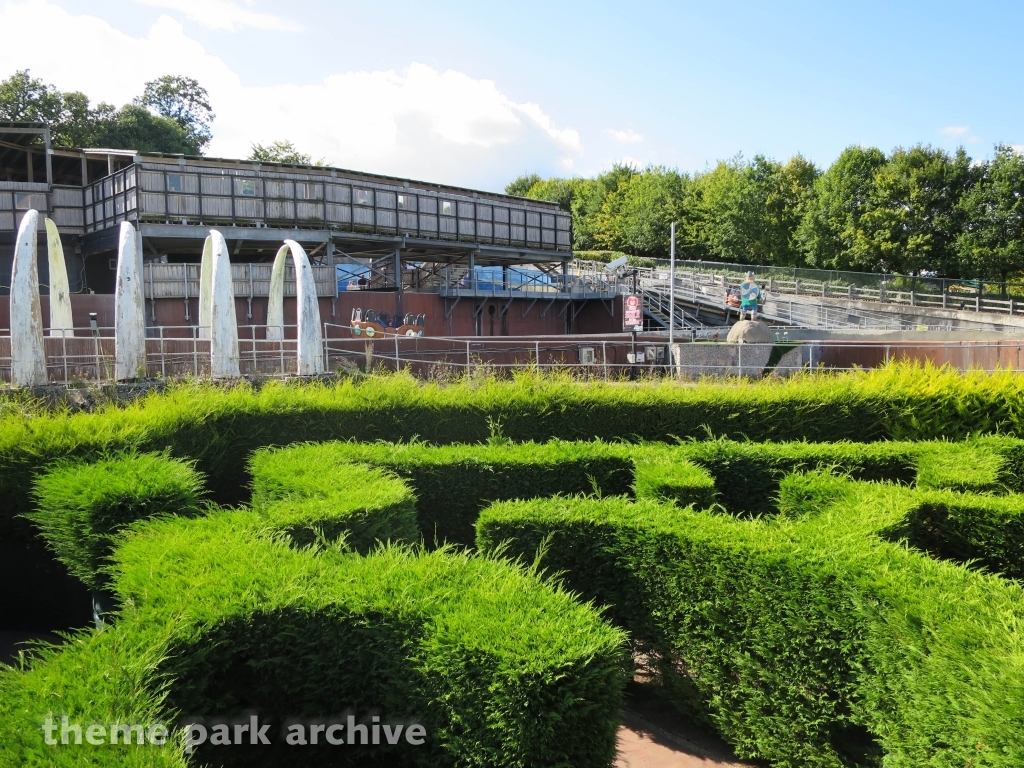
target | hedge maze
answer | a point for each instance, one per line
(819, 603)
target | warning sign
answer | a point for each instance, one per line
(633, 314)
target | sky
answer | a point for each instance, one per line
(476, 93)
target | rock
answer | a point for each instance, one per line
(750, 332)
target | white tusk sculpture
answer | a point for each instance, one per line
(205, 287)
(28, 356)
(61, 323)
(310, 340)
(129, 309)
(217, 319)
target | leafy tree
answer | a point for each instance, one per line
(135, 127)
(749, 211)
(911, 220)
(74, 122)
(281, 152)
(991, 241)
(26, 99)
(897, 214)
(840, 196)
(522, 185)
(636, 216)
(186, 102)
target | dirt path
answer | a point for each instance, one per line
(654, 735)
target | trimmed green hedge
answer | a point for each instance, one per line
(453, 483)
(220, 427)
(807, 641)
(747, 475)
(312, 496)
(986, 531)
(223, 615)
(80, 507)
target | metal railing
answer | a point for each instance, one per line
(908, 290)
(175, 352)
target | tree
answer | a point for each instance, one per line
(897, 214)
(281, 152)
(637, 216)
(26, 99)
(75, 123)
(991, 241)
(911, 219)
(520, 187)
(135, 127)
(839, 198)
(186, 102)
(749, 211)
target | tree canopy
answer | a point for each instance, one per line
(173, 115)
(916, 210)
(281, 152)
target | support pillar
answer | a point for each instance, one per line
(217, 302)
(398, 283)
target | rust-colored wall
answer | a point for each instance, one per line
(81, 305)
(959, 354)
(593, 318)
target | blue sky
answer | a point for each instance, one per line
(474, 93)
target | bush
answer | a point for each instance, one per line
(80, 507)
(665, 475)
(312, 495)
(747, 475)
(453, 483)
(808, 641)
(222, 616)
(219, 427)
(808, 492)
(993, 463)
(979, 530)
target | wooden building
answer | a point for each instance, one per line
(399, 236)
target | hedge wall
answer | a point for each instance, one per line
(808, 640)
(453, 483)
(219, 427)
(80, 507)
(226, 614)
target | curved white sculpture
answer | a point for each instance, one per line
(61, 323)
(217, 320)
(28, 357)
(310, 340)
(129, 309)
(205, 287)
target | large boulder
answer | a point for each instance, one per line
(750, 332)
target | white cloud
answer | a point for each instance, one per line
(628, 136)
(630, 161)
(223, 15)
(955, 131)
(1018, 148)
(446, 127)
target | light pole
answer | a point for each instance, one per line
(671, 299)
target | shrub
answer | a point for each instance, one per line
(218, 427)
(80, 507)
(808, 641)
(747, 475)
(311, 495)
(223, 615)
(804, 493)
(453, 483)
(665, 475)
(980, 530)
